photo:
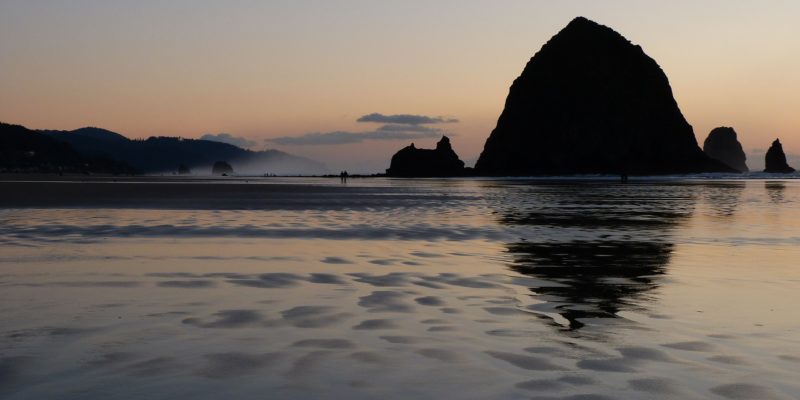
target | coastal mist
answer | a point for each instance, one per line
(305, 288)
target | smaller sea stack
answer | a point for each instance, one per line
(722, 145)
(221, 168)
(439, 162)
(775, 160)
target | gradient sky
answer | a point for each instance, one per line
(267, 69)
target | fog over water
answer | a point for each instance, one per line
(307, 288)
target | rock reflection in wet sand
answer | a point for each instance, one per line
(517, 291)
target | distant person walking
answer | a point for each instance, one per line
(343, 176)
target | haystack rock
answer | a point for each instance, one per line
(591, 102)
(413, 162)
(775, 160)
(722, 145)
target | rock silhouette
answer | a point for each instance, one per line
(158, 154)
(592, 102)
(413, 162)
(722, 145)
(25, 150)
(221, 168)
(775, 160)
(184, 170)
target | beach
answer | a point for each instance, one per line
(304, 288)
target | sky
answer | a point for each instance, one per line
(343, 81)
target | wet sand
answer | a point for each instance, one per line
(462, 289)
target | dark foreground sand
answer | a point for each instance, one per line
(305, 289)
(186, 193)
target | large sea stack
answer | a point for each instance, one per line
(775, 160)
(722, 145)
(591, 102)
(413, 162)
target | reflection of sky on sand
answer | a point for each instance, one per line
(547, 291)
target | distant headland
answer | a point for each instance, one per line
(99, 151)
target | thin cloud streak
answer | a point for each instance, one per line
(396, 127)
(407, 119)
(386, 132)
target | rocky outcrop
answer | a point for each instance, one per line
(183, 169)
(591, 102)
(221, 168)
(722, 145)
(413, 162)
(775, 160)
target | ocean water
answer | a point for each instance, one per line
(472, 289)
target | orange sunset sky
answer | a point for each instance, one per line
(265, 71)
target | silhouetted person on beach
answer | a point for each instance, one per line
(343, 176)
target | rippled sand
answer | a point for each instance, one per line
(399, 289)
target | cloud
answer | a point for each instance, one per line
(385, 132)
(396, 127)
(237, 141)
(406, 119)
(390, 129)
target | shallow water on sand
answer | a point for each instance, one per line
(399, 289)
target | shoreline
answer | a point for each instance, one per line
(45, 177)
